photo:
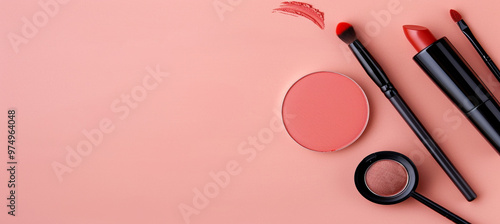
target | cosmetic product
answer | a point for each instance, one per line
(468, 33)
(388, 177)
(325, 111)
(347, 34)
(449, 70)
(302, 9)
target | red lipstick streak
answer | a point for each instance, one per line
(302, 9)
(419, 36)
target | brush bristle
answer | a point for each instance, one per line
(455, 15)
(346, 33)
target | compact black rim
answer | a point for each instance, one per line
(359, 177)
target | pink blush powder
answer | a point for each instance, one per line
(386, 178)
(325, 111)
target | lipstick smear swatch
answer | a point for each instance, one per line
(305, 10)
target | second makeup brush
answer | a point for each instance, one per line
(468, 33)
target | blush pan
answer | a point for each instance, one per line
(325, 111)
(386, 178)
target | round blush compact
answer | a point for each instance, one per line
(389, 177)
(325, 111)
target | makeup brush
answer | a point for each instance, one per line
(346, 33)
(468, 33)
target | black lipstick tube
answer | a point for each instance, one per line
(448, 69)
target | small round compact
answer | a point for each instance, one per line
(389, 177)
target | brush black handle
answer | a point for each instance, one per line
(486, 58)
(492, 66)
(378, 76)
(428, 142)
(370, 65)
(434, 206)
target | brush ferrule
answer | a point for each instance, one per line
(462, 25)
(468, 33)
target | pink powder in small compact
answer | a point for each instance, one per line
(325, 111)
(302, 9)
(386, 178)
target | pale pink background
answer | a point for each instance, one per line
(226, 80)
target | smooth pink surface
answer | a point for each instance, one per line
(221, 104)
(325, 111)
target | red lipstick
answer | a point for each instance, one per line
(419, 36)
(449, 70)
